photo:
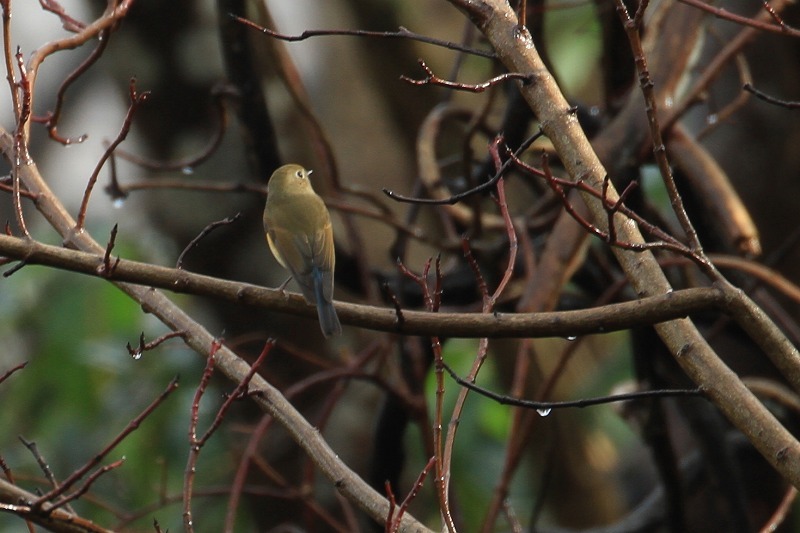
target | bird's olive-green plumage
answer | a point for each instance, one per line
(300, 235)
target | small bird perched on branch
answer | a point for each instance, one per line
(300, 235)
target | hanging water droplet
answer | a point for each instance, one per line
(544, 412)
(137, 356)
(187, 170)
(712, 119)
(571, 337)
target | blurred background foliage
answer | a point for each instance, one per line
(81, 386)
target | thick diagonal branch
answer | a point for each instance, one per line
(515, 48)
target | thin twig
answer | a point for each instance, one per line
(544, 408)
(51, 121)
(196, 443)
(788, 104)
(11, 75)
(433, 79)
(721, 12)
(12, 370)
(21, 154)
(659, 151)
(402, 33)
(50, 497)
(475, 190)
(107, 268)
(219, 93)
(136, 101)
(67, 22)
(208, 229)
(394, 518)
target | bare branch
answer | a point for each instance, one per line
(402, 33)
(433, 79)
(137, 99)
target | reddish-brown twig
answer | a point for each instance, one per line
(220, 94)
(775, 27)
(196, 443)
(489, 302)
(442, 474)
(21, 155)
(781, 512)
(250, 455)
(395, 515)
(632, 28)
(51, 120)
(52, 495)
(68, 23)
(398, 308)
(12, 370)
(612, 208)
(433, 79)
(136, 101)
(11, 74)
(86, 485)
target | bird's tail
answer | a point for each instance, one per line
(328, 319)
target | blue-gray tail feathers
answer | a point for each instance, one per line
(328, 320)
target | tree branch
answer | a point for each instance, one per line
(516, 50)
(603, 319)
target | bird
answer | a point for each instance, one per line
(300, 236)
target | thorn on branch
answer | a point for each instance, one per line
(398, 309)
(476, 270)
(433, 79)
(107, 269)
(208, 229)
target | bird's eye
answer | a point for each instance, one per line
(299, 174)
